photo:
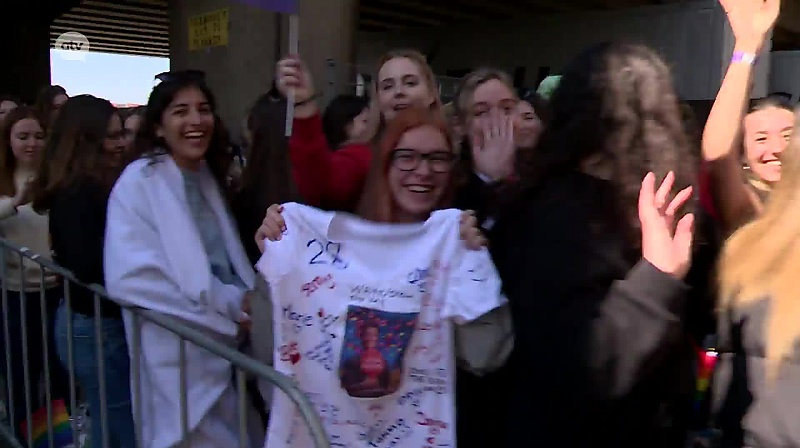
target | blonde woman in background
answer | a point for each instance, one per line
(757, 386)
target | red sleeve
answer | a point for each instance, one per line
(704, 193)
(324, 176)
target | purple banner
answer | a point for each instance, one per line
(281, 6)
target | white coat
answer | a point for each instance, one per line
(154, 259)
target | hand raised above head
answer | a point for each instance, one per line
(751, 20)
(292, 77)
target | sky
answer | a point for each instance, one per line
(121, 79)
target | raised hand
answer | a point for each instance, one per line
(669, 251)
(293, 77)
(751, 20)
(493, 147)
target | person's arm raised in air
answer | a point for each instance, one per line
(321, 175)
(750, 20)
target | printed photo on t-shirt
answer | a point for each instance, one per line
(375, 342)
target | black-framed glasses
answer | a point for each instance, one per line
(174, 75)
(410, 159)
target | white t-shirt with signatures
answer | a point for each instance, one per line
(364, 316)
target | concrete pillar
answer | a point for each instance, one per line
(327, 32)
(244, 69)
(26, 60)
(237, 73)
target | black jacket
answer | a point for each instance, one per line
(599, 336)
(481, 402)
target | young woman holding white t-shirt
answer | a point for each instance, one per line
(412, 177)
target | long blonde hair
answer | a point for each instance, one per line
(761, 261)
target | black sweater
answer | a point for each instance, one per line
(77, 228)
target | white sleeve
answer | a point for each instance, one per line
(473, 286)
(136, 270)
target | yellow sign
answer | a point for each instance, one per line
(208, 30)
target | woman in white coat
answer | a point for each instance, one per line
(172, 247)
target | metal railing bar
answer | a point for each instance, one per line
(7, 438)
(7, 336)
(27, 381)
(46, 357)
(237, 359)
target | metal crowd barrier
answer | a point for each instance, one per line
(243, 364)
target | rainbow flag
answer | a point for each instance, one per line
(62, 432)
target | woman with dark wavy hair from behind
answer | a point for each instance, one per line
(592, 260)
(173, 247)
(83, 159)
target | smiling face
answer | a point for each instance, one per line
(766, 134)
(419, 173)
(187, 126)
(27, 141)
(402, 84)
(528, 126)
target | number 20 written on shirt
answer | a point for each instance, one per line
(326, 252)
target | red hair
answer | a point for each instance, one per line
(377, 203)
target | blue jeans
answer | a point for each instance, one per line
(121, 432)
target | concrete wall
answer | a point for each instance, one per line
(237, 73)
(693, 37)
(244, 69)
(783, 76)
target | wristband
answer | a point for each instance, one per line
(746, 58)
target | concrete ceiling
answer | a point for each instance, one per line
(382, 15)
(141, 27)
(136, 27)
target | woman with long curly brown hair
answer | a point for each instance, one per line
(593, 261)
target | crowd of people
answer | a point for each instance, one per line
(507, 269)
